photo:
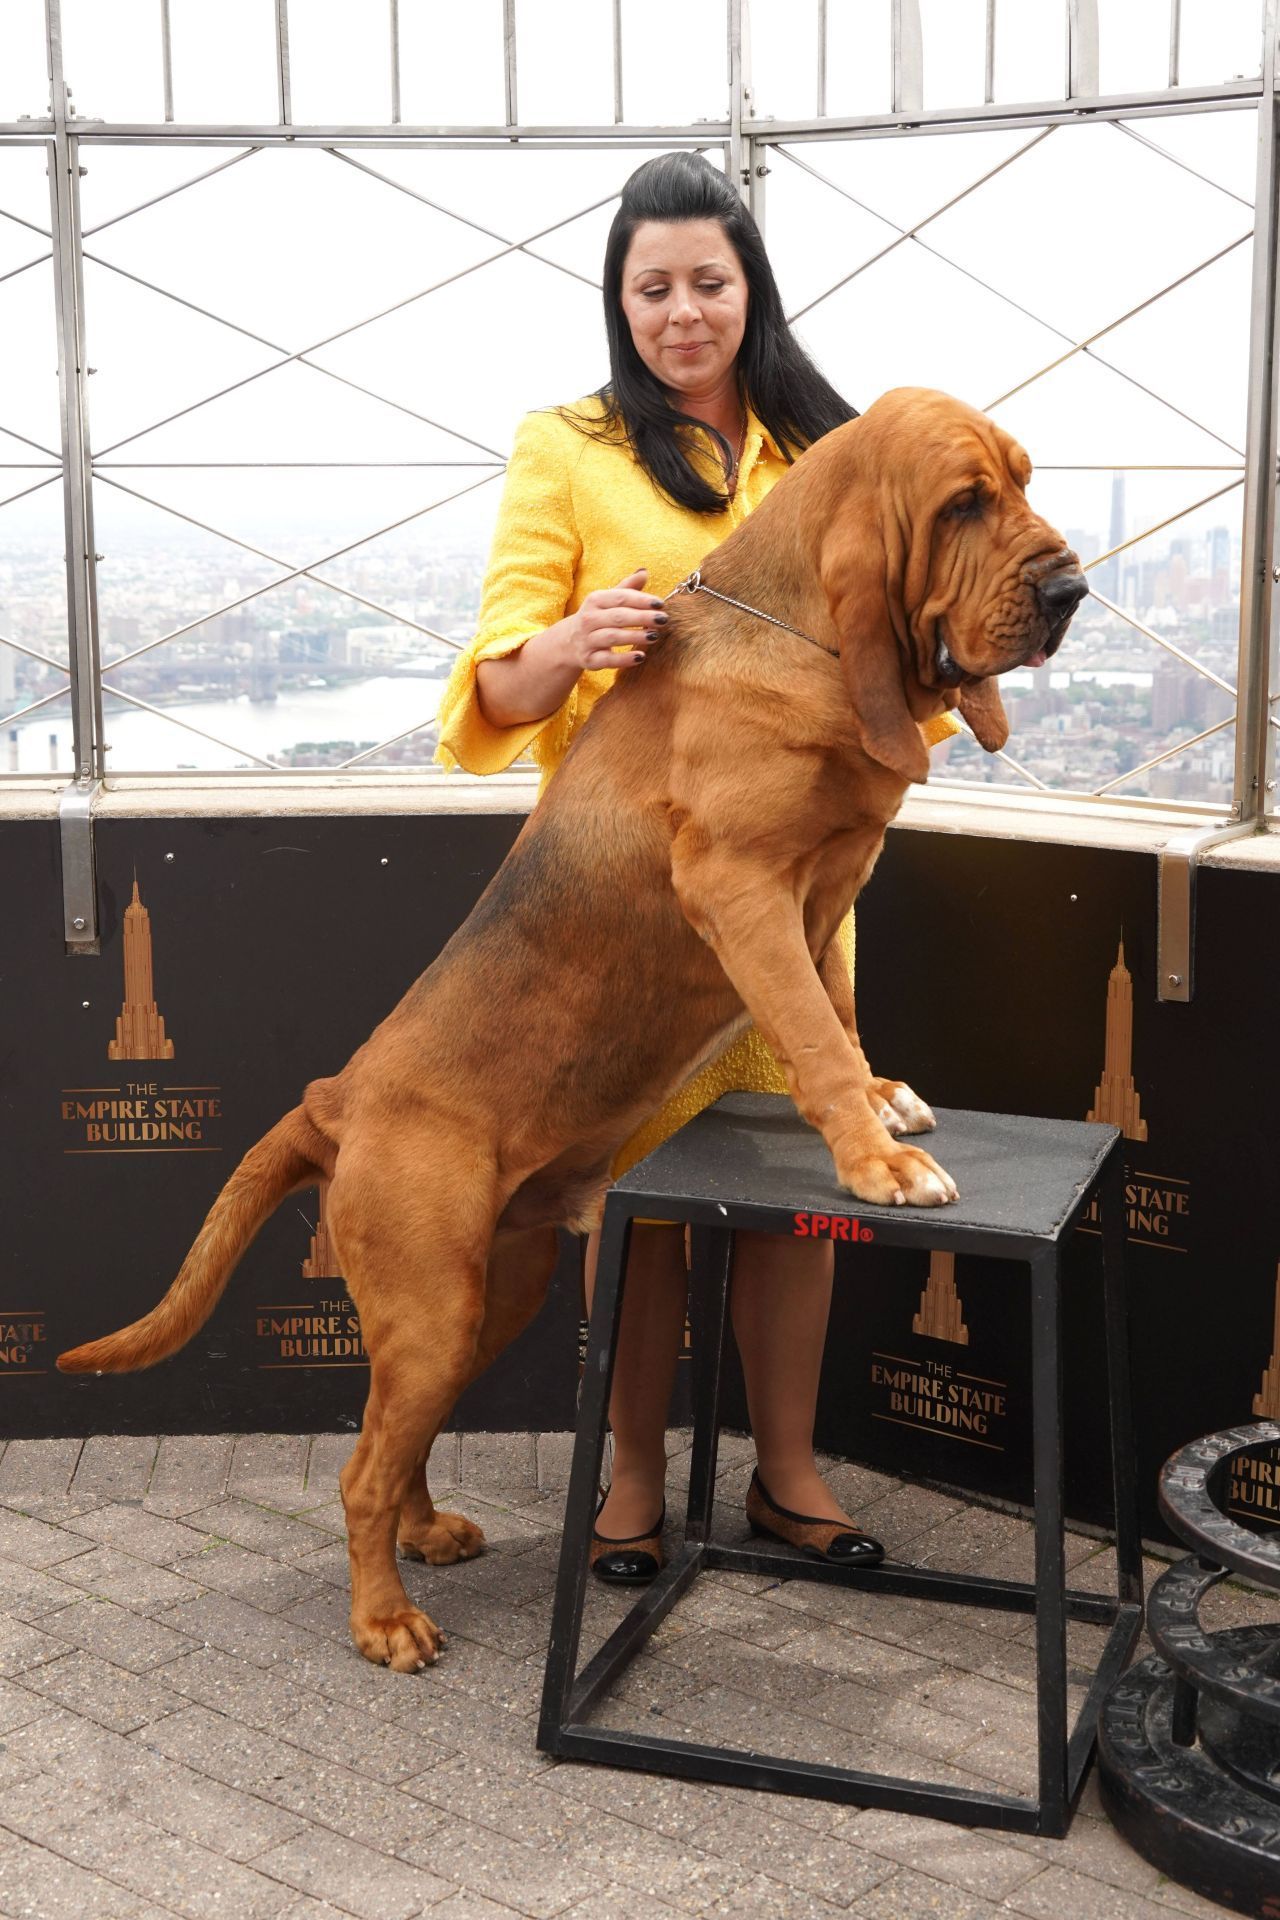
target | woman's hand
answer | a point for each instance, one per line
(535, 680)
(624, 616)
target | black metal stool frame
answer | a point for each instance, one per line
(1064, 1757)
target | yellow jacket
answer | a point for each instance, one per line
(577, 514)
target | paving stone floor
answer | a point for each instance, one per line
(185, 1728)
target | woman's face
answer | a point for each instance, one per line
(684, 294)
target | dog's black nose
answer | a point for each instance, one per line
(1061, 593)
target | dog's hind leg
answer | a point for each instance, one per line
(519, 1271)
(417, 1279)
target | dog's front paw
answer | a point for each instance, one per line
(898, 1177)
(450, 1537)
(898, 1108)
(405, 1640)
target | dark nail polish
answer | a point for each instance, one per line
(655, 603)
(662, 616)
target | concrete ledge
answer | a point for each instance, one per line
(944, 807)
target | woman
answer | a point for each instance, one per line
(709, 400)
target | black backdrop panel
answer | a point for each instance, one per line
(989, 975)
(276, 945)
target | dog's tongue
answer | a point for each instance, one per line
(1037, 659)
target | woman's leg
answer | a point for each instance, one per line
(781, 1301)
(653, 1316)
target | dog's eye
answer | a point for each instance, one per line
(966, 505)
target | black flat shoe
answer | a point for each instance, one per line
(628, 1563)
(820, 1539)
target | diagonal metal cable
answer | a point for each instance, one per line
(161, 714)
(277, 560)
(490, 233)
(1025, 772)
(128, 213)
(27, 441)
(1161, 641)
(370, 753)
(100, 226)
(260, 339)
(342, 333)
(34, 488)
(1170, 753)
(1144, 140)
(113, 666)
(40, 260)
(913, 233)
(20, 713)
(903, 233)
(1083, 346)
(1159, 525)
(32, 653)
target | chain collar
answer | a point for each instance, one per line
(695, 583)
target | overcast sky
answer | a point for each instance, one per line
(1077, 228)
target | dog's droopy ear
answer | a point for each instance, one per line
(983, 708)
(874, 666)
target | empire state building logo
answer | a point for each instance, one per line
(1266, 1401)
(1115, 1098)
(140, 1033)
(941, 1315)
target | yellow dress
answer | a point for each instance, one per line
(578, 513)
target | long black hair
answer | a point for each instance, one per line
(776, 377)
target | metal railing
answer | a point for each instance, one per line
(752, 147)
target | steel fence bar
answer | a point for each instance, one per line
(166, 58)
(284, 80)
(823, 38)
(1175, 40)
(261, 553)
(908, 57)
(1169, 753)
(490, 139)
(1184, 100)
(1082, 49)
(989, 55)
(395, 61)
(1175, 160)
(1162, 640)
(73, 408)
(294, 573)
(738, 152)
(510, 76)
(1256, 673)
(1023, 113)
(111, 466)
(615, 24)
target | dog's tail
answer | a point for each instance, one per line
(282, 1160)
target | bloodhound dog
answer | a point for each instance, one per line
(685, 874)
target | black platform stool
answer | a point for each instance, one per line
(750, 1162)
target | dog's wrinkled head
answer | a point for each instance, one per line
(938, 573)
